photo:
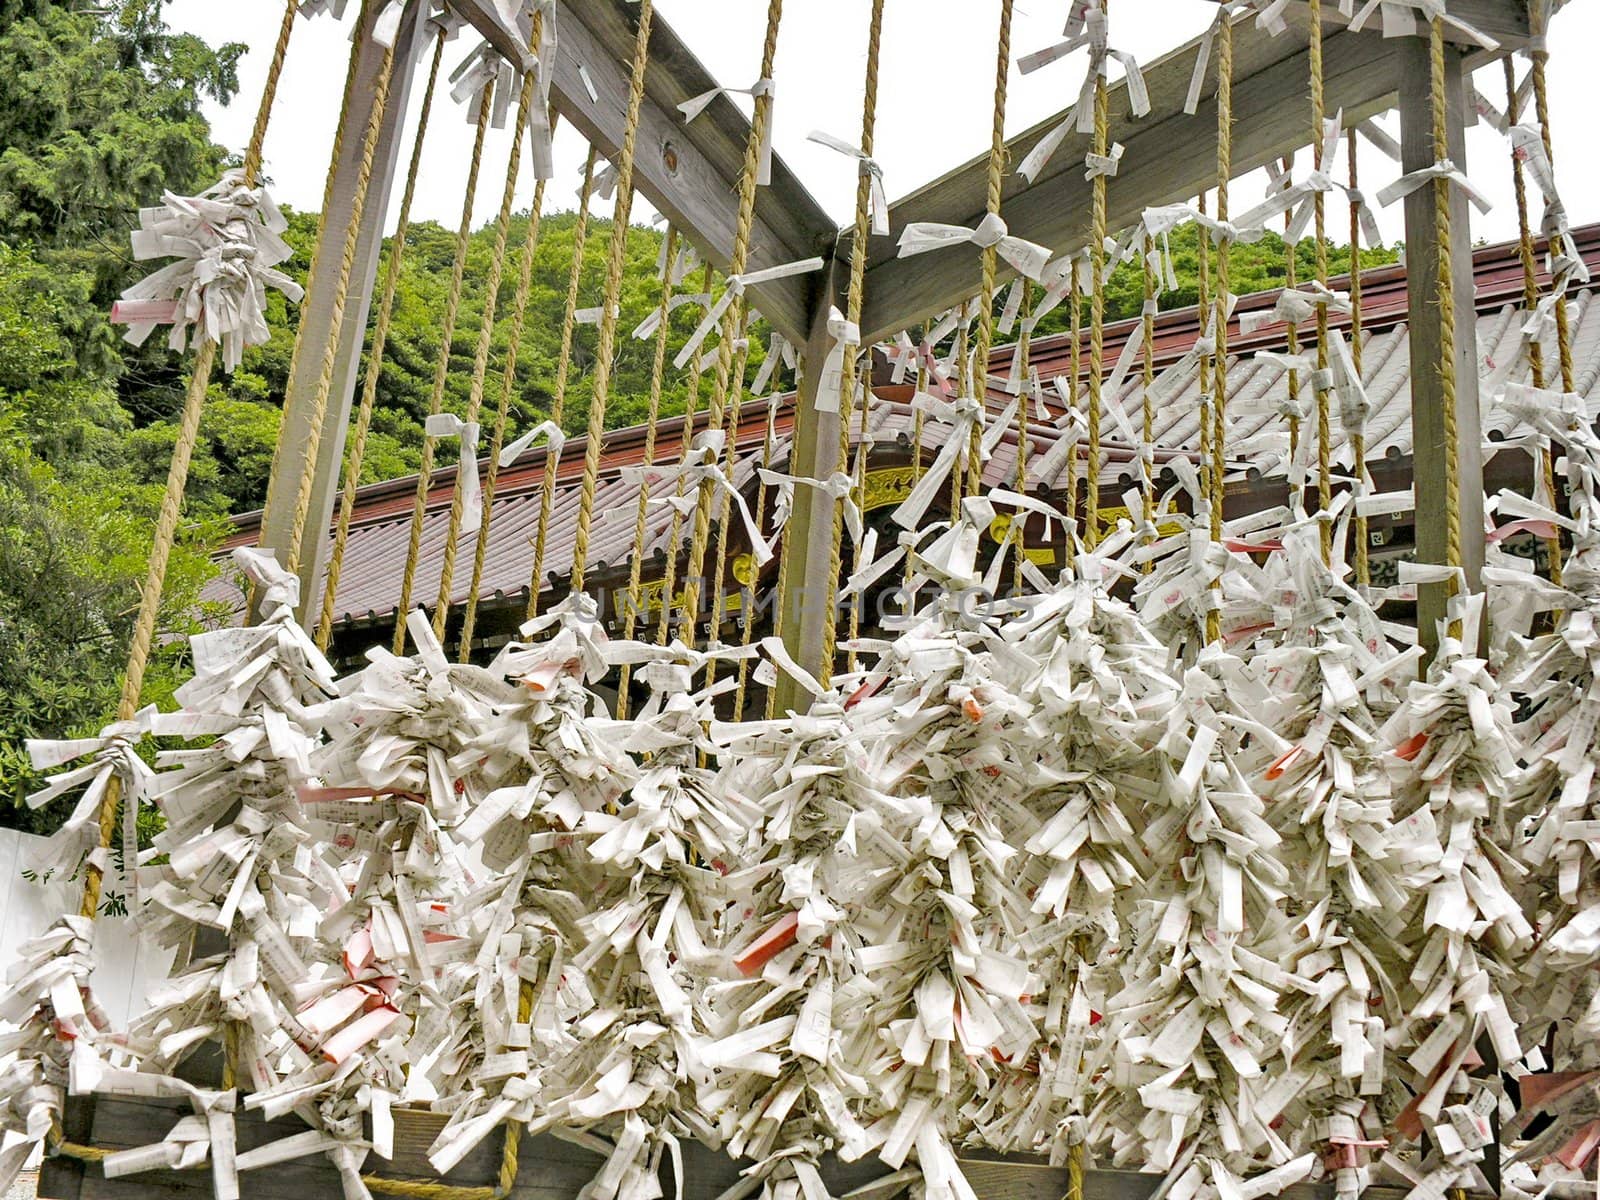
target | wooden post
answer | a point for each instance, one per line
(814, 455)
(278, 518)
(1422, 274)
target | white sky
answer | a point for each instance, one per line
(934, 109)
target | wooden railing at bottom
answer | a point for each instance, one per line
(550, 1168)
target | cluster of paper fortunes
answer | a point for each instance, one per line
(1327, 911)
(1043, 875)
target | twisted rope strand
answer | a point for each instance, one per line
(480, 359)
(1447, 310)
(508, 383)
(724, 511)
(749, 595)
(737, 261)
(669, 580)
(847, 387)
(1147, 478)
(167, 516)
(1097, 307)
(1075, 352)
(612, 293)
(1320, 246)
(1024, 354)
(630, 609)
(1530, 291)
(1219, 430)
(991, 254)
(558, 403)
(1358, 438)
(441, 370)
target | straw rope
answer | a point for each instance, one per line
(1147, 478)
(1447, 310)
(847, 383)
(675, 533)
(508, 382)
(380, 341)
(1530, 300)
(1541, 103)
(724, 511)
(630, 609)
(1019, 523)
(1097, 308)
(737, 261)
(749, 593)
(1291, 280)
(1358, 437)
(441, 370)
(480, 360)
(1203, 308)
(1320, 248)
(1219, 411)
(167, 516)
(991, 254)
(558, 403)
(1075, 353)
(608, 304)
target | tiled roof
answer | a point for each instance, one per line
(369, 584)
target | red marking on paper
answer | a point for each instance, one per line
(769, 945)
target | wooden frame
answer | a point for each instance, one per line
(691, 173)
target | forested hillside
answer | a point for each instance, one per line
(100, 110)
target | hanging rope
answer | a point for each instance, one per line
(923, 353)
(1291, 280)
(1447, 310)
(958, 478)
(335, 320)
(508, 383)
(1541, 102)
(1358, 436)
(669, 582)
(1147, 474)
(847, 385)
(608, 304)
(730, 457)
(630, 609)
(558, 404)
(737, 260)
(781, 606)
(1320, 246)
(1203, 312)
(467, 467)
(1075, 324)
(1097, 304)
(166, 528)
(749, 593)
(1530, 300)
(991, 254)
(1019, 522)
(380, 342)
(1219, 411)
(441, 369)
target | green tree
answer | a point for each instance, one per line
(74, 535)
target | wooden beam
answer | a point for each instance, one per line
(688, 171)
(277, 523)
(814, 455)
(1170, 156)
(507, 38)
(1427, 396)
